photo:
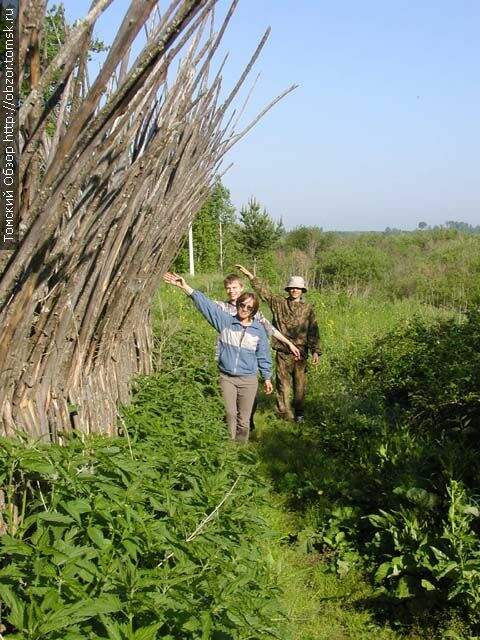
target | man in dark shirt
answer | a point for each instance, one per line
(296, 320)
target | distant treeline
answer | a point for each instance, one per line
(439, 265)
(464, 227)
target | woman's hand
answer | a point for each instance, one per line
(268, 387)
(177, 281)
(315, 359)
(245, 272)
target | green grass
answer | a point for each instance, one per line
(348, 323)
(317, 602)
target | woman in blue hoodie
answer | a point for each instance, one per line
(243, 352)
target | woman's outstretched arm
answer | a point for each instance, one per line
(215, 316)
(177, 281)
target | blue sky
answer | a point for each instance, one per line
(384, 128)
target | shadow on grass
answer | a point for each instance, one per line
(291, 456)
(332, 489)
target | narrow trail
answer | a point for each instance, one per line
(318, 604)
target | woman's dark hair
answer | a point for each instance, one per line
(247, 295)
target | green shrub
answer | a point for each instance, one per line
(432, 372)
(433, 565)
(152, 535)
(388, 467)
(346, 265)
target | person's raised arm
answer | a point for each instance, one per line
(218, 318)
(245, 271)
(258, 285)
(177, 281)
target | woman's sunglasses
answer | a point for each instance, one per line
(246, 307)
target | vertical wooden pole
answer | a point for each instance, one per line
(221, 248)
(191, 261)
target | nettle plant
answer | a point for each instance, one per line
(153, 535)
(442, 566)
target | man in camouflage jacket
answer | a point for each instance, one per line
(296, 320)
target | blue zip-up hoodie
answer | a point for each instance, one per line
(243, 350)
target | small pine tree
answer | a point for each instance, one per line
(259, 233)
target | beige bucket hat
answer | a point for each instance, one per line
(296, 282)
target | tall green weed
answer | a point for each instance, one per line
(152, 535)
(386, 471)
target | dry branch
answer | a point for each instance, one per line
(107, 200)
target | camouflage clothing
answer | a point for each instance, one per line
(290, 370)
(296, 320)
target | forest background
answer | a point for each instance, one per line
(438, 265)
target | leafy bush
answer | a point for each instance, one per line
(429, 378)
(426, 563)
(347, 264)
(388, 467)
(152, 535)
(430, 372)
